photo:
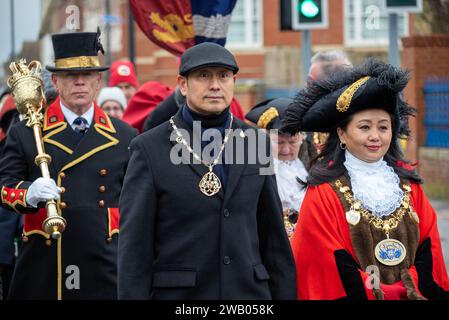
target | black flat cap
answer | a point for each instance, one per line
(269, 113)
(207, 54)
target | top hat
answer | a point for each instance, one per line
(207, 54)
(77, 51)
(269, 113)
(324, 104)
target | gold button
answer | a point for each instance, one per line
(13, 195)
(25, 239)
(21, 194)
(62, 189)
(102, 189)
(5, 193)
(101, 203)
(63, 205)
(48, 242)
(62, 175)
(103, 172)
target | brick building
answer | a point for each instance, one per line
(270, 59)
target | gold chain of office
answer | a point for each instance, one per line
(210, 184)
(386, 225)
(389, 252)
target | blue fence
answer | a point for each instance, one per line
(436, 121)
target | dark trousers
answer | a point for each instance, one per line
(5, 280)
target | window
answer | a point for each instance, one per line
(245, 29)
(366, 23)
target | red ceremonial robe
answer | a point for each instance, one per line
(327, 267)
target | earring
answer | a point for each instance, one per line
(342, 145)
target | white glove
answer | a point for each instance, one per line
(41, 190)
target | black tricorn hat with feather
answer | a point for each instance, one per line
(268, 114)
(372, 85)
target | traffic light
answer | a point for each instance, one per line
(309, 14)
(401, 6)
(286, 15)
(309, 9)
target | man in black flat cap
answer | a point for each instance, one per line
(89, 153)
(195, 224)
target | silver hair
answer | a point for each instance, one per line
(50, 91)
(331, 61)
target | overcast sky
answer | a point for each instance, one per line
(27, 23)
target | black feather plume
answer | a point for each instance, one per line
(394, 79)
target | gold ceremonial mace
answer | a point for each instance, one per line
(27, 89)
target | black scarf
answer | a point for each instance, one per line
(219, 122)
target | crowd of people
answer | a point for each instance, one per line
(178, 194)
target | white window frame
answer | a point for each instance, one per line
(359, 41)
(248, 21)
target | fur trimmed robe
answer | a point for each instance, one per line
(331, 255)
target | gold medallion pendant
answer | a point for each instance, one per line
(290, 219)
(210, 184)
(353, 217)
(390, 252)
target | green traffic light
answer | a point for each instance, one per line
(308, 8)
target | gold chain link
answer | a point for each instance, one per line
(180, 139)
(386, 225)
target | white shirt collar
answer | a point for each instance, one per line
(355, 162)
(70, 116)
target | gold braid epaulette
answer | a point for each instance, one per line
(344, 100)
(267, 117)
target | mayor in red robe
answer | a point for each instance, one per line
(366, 229)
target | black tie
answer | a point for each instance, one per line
(81, 126)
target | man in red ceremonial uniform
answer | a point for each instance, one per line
(89, 154)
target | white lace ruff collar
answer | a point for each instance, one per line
(290, 191)
(375, 185)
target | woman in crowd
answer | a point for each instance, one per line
(113, 101)
(366, 230)
(288, 167)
